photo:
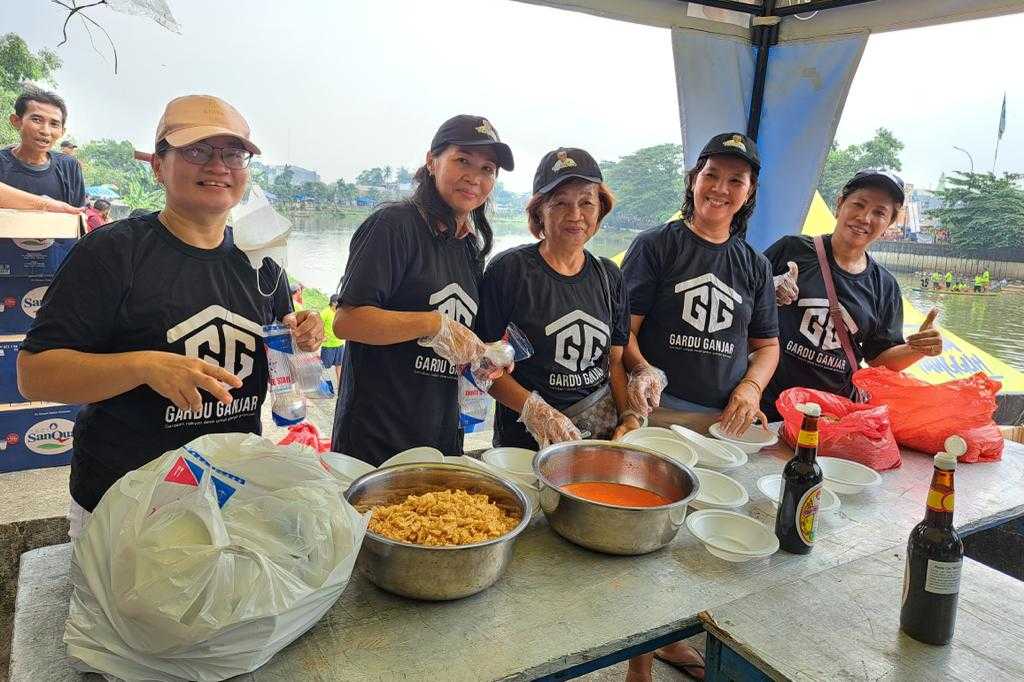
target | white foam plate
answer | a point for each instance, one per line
(420, 454)
(732, 536)
(670, 447)
(711, 453)
(648, 432)
(771, 487)
(344, 467)
(519, 461)
(846, 477)
(750, 441)
(718, 491)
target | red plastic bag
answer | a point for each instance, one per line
(924, 415)
(308, 435)
(847, 430)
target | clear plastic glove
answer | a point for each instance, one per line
(499, 358)
(456, 343)
(643, 390)
(786, 289)
(546, 424)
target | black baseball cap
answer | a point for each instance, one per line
(466, 130)
(733, 144)
(68, 144)
(562, 164)
(878, 177)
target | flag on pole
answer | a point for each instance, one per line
(1002, 118)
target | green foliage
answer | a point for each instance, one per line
(17, 65)
(376, 177)
(881, 151)
(982, 211)
(647, 184)
(109, 162)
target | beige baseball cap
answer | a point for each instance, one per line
(192, 118)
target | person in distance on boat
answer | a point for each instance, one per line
(154, 323)
(410, 297)
(870, 298)
(570, 304)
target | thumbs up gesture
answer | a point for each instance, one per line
(786, 289)
(927, 340)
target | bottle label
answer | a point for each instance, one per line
(940, 501)
(943, 577)
(906, 579)
(807, 514)
(808, 439)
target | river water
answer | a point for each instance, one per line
(318, 250)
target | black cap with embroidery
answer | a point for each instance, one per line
(878, 177)
(733, 144)
(465, 130)
(562, 164)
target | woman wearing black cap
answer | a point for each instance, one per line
(701, 298)
(571, 305)
(410, 297)
(871, 304)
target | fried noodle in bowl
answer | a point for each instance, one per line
(443, 518)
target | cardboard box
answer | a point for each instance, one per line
(20, 298)
(36, 435)
(34, 243)
(9, 347)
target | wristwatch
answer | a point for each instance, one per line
(632, 413)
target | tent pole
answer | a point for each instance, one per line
(733, 5)
(765, 35)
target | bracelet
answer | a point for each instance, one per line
(748, 380)
(632, 413)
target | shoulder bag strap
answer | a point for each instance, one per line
(835, 313)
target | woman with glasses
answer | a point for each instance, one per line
(154, 323)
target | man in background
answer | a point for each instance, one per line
(40, 117)
(70, 148)
(332, 350)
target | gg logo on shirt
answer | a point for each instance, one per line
(451, 301)
(816, 324)
(580, 339)
(708, 303)
(223, 338)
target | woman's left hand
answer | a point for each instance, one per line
(630, 423)
(927, 340)
(743, 408)
(307, 329)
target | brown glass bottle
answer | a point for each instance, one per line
(797, 518)
(935, 553)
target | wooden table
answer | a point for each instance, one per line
(561, 610)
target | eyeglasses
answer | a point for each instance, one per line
(200, 153)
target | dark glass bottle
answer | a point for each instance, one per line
(935, 554)
(797, 518)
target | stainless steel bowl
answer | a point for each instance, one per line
(434, 573)
(604, 527)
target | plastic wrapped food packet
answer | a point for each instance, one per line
(511, 348)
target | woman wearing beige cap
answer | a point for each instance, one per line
(154, 323)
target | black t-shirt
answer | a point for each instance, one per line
(571, 321)
(812, 356)
(700, 302)
(134, 286)
(403, 395)
(62, 180)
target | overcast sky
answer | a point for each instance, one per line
(343, 86)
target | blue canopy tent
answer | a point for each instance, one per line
(779, 70)
(102, 192)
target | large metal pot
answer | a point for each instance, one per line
(604, 527)
(434, 573)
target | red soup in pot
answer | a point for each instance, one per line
(618, 494)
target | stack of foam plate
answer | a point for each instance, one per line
(750, 441)
(663, 441)
(711, 453)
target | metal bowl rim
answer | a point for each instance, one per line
(524, 505)
(618, 445)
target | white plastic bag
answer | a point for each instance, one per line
(207, 561)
